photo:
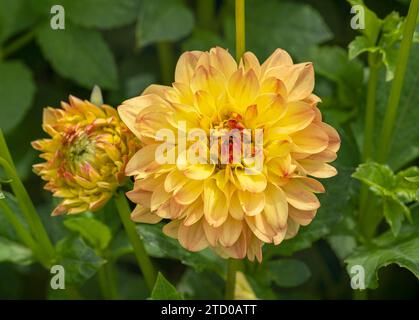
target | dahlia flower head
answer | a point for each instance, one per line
(230, 206)
(86, 154)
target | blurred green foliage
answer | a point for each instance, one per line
(125, 45)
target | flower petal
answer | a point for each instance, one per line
(251, 203)
(192, 237)
(215, 204)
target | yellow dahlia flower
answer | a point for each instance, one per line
(85, 156)
(230, 206)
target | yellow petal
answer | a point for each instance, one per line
(215, 204)
(251, 62)
(189, 192)
(129, 110)
(185, 66)
(222, 60)
(212, 234)
(299, 197)
(251, 182)
(192, 237)
(276, 207)
(300, 216)
(158, 197)
(278, 58)
(310, 140)
(142, 161)
(298, 116)
(236, 209)
(317, 169)
(334, 139)
(243, 88)
(292, 229)
(143, 215)
(199, 171)
(174, 181)
(172, 229)
(194, 213)
(251, 203)
(231, 230)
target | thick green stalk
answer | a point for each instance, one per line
(233, 264)
(29, 212)
(165, 53)
(240, 29)
(141, 255)
(232, 267)
(397, 85)
(107, 281)
(24, 201)
(21, 231)
(205, 10)
(374, 66)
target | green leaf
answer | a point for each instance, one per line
(93, 231)
(163, 20)
(380, 36)
(407, 184)
(16, 91)
(384, 182)
(386, 250)
(288, 272)
(103, 14)
(360, 45)
(80, 55)
(78, 259)
(15, 15)
(272, 24)
(379, 177)
(393, 189)
(164, 290)
(14, 252)
(159, 245)
(394, 212)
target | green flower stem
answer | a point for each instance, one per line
(29, 212)
(240, 29)
(397, 85)
(232, 267)
(374, 66)
(21, 231)
(18, 43)
(165, 53)
(143, 259)
(24, 201)
(233, 264)
(107, 281)
(205, 10)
